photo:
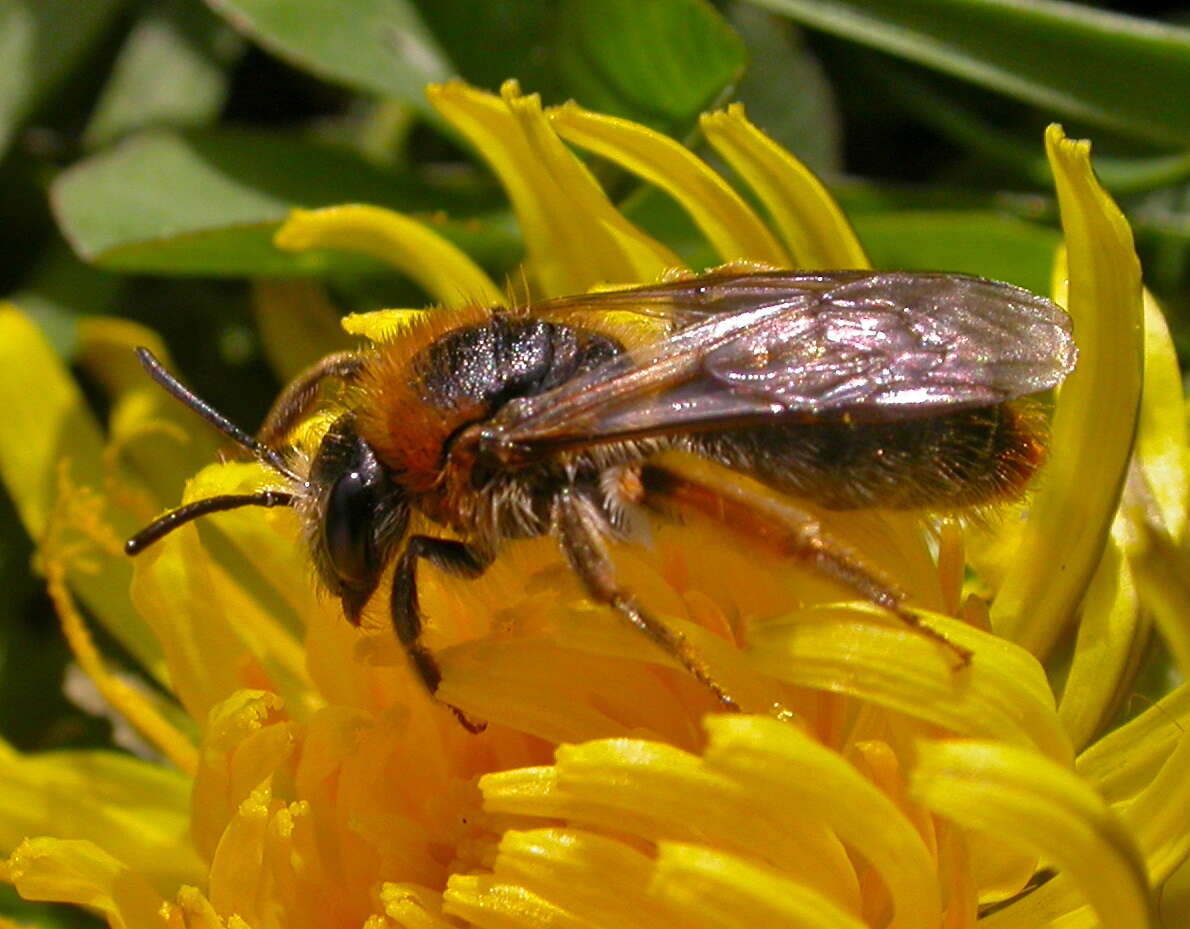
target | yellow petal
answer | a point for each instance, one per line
(150, 449)
(246, 741)
(153, 439)
(1095, 420)
(485, 902)
(297, 322)
(1162, 447)
(1106, 649)
(1159, 814)
(191, 911)
(439, 267)
(814, 228)
(774, 763)
(574, 236)
(148, 713)
(138, 811)
(709, 887)
(600, 880)
(383, 325)
(858, 650)
(1031, 803)
(1162, 573)
(46, 421)
(729, 224)
(49, 441)
(236, 877)
(1126, 760)
(414, 907)
(80, 872)
(187, 600)
(654, 791)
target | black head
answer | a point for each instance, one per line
(360, 515)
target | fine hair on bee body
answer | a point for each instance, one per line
(851, 389)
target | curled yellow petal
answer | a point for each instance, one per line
(574, 236)
(493, 904)
(81, 872)
(1108, 640)
(413, 907)
(729, 224)
(137, 810)
(775, 763)
(1031, 803)
(246, 741)
(236, 874)
(1159, 813)
(136, 705)
(654, 791)
(858, 650)
(598, 879)
(383, 325)
(1125, 761)
(443, 270)
(708, 887)
(809, 219)
(51, 455)
(1096, 417)
(44, 422)
(176, 588)
(191, 910)
(1162, 446)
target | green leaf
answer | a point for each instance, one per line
(660, 63)
(40, 42)
(171, 71)
(786, 91)
(973, 241)
(1021, 154)
(498, 39)
(375, 46)
(168, 203)
(1112, 70)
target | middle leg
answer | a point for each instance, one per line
(583, 529)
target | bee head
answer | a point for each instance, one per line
(359, 515)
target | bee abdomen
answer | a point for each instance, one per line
(957, 459)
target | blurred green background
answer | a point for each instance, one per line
(150, 147)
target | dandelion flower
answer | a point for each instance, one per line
(303, 778)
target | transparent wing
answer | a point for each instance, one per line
(873, 346)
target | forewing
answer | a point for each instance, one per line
(872, 346)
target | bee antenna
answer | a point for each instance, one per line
(269, 456)
(165, 524)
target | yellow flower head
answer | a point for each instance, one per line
(303, 777)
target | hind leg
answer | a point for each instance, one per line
(782, 528)
(583, 530)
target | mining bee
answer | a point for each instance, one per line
(853, 389)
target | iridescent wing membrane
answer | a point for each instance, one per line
(753, 348)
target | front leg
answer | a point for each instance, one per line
(582, 530)
(455, 558)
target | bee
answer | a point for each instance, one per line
(853, 389)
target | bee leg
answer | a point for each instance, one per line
(583, 530)
(298, 396)
(785, 530)
(453, 557)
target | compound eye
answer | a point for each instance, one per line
(347, 528)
